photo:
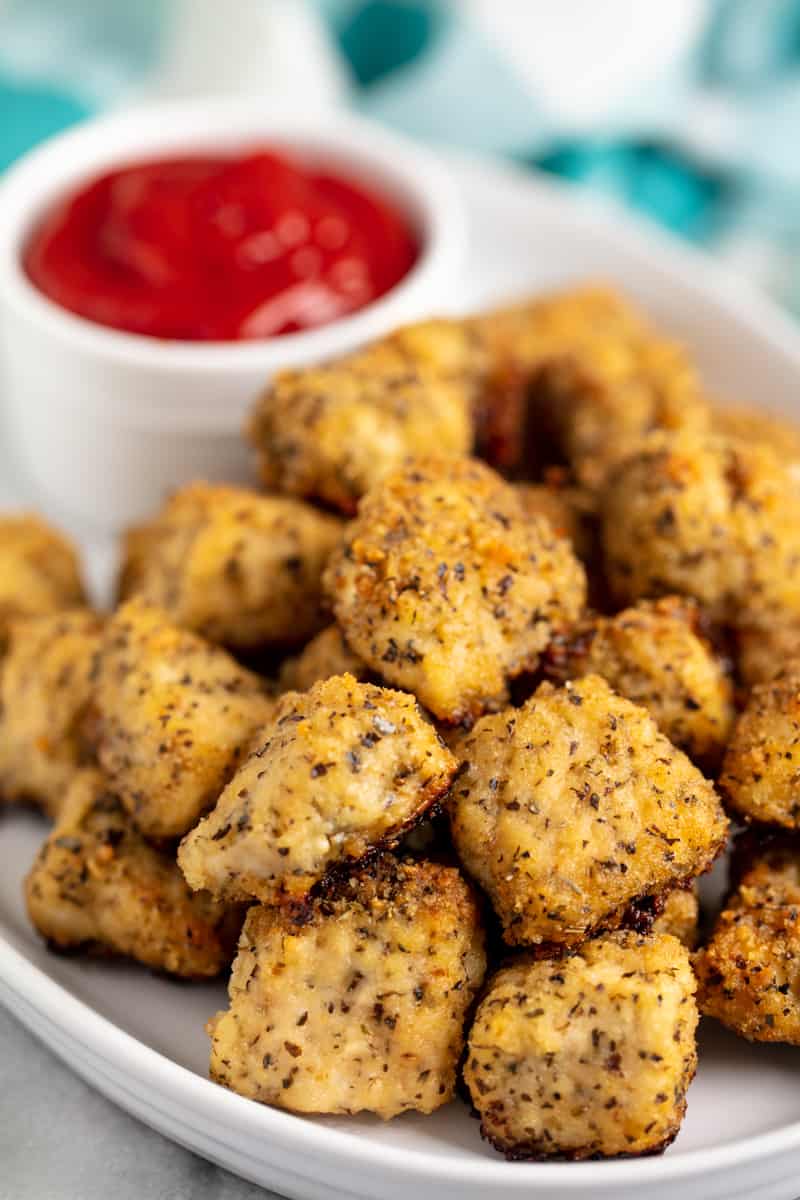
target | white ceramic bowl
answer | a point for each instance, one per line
(140, 1039)
(137, 415)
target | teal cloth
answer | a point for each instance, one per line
(31, 112)
(423, 67)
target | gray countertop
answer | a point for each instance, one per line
(60, 1140)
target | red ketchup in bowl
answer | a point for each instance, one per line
(220, 248)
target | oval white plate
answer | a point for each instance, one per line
(140, 1039)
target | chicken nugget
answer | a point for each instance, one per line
(708, 517)
(589, 1057)
(45, 693)
(341, 770)
(654, 655)
(761, 653)
(361, 1005)
(749, 972)
(535, 330)
(237, 567)
(569, 509)
(680, 916)
(750, 424)
(599, 378)
(760, 776)
(39, 569)
(175, 716)
(97, 885)
(573, 807)
(444, 587)
(602, 398)
(334, 431)
(325, 655)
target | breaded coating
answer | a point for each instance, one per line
(325, 655)
(175, 716)
(342, 769)
(573, 807)
(599, 376)
(361, 1006)
(39, 569)
(589, 1057)
(654, 655)
(757, 425)
(707, 517)
(582, 368)
(520, 340)
(334, 431)
(45, 692)
(680, 916)
(760, 776)
(749, 972)
(569, 509)
(762, 653)
(603, 398)
(444, 587)
(97, 885)
(536, 330)
(237, 567)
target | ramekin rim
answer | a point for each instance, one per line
(416, 169)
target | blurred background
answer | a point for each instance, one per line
(686, 111)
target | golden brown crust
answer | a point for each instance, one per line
(757, 425)
(599, 376)
(571, 511)
(325, 655)
(45, 693)
(445, 588)
(761, 772)
(761, 653)
(334, 431)
(680, 916)
(513, 432)
(706, 517)
(588, 1057)
(604, 398)
(40, 571)
(98, 885)
(239, 568)
(654, 655)
(536, 330)
(749, 972)
(342, 769)
(572, 807)
(361, 1006)
(582, 367)
(175, 716)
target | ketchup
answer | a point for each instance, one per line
(223, 249)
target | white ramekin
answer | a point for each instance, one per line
(105, 423)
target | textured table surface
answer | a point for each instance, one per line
(60, 1140)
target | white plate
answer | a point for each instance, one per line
(140, 1039)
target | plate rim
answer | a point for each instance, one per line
(26, 986)
(67, 1012)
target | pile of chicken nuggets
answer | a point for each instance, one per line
(427, 743)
